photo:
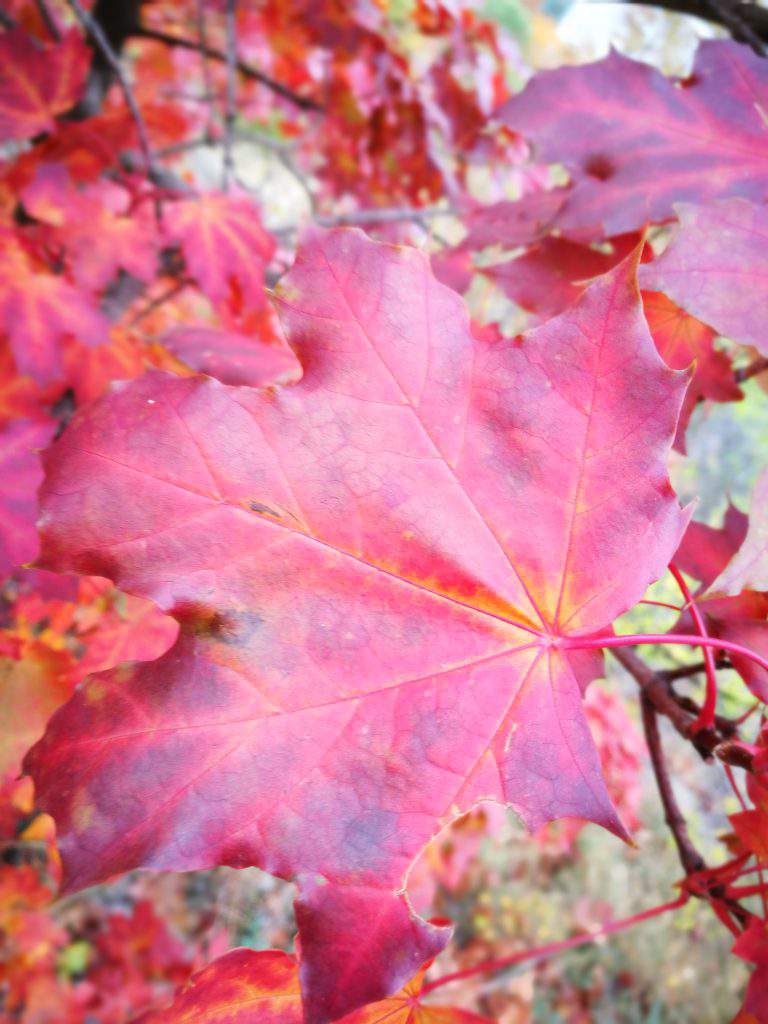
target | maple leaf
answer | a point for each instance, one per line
(234, 358)
(552, 274)
(38, 310)
(707, 553)
(237, 988)
(244, 985)
(752, 946)
(38, 82)
(636, 142)
(512, 223)
(683, 340)
(95, 225)
(20, 476)
(375, 571)
(29, 694)
(749, 568)
(705, 550)
(224, 244)
(715, 267)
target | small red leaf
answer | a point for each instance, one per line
(234, 358)
(20, 476)
(38, 82)
(716, 267)
(749, 568)
(224, 244)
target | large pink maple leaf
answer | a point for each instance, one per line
(379, 573)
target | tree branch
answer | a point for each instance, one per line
(111, 58)
(756, 367)
(47, 19)
(304, 102)
(690, 858)
(385, 215)
(230, 107)
(204, 65)
(671, 674)
(747, 23)
(655, 688)
(117, 20)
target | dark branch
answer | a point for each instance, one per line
(112, 59)
(304, 102)
(230, 104)
(47, 19)
(747, 23)
(671, 674)
(385, 215)
(747, 372)
(116, 20)
(690, 857)
(655, 688)
(202, 37)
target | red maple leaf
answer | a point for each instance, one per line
(636, 142)
(380, 572)
(708, 554)
(749, 568)
(683, 340)
(38, 82)
(224, 245)
(38, 310)
(234, 358)
(20, 476)
(752, 945)
(95, 227)
(551, 274)
(716, 267)
(245, 986)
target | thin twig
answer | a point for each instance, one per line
(654, 688)
(706, 718)
(202, 36)
(752, 18)
(230, 101)
(690, 857)
(47, 18)
(304, 102)
(684, 671)
(96, 32)
(553, 948)
(756, 367)
(170, 293)
(728, 15)
(385, 215)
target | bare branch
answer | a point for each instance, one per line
(304, 102)
(96, 33)
(386, 215)
(230, 107)
(756, 367)
(690, 857)
(202, 36)
(6, 21)
(47, 18)
(729, 15)
(117, 20)
(747, 22)
(684, 671)
(655, 688)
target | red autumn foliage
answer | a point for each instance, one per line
(319, 562)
